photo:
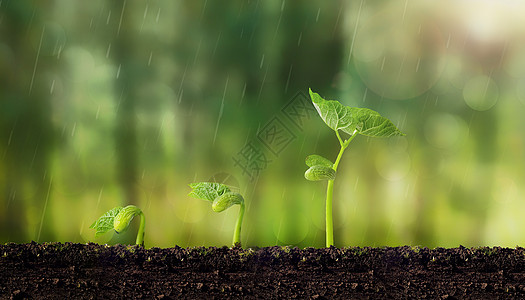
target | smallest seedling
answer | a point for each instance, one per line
(118, 218)
(222, 198)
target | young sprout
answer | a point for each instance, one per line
(118, 218)
(222, 198)
(352, 121)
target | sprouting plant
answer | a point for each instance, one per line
(352, 121)
(222, 198)
(118, 218)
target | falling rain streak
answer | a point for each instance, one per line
(220, 111)
(36, 60)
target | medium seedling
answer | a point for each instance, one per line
(352, 121)
(118, 218)
(222, 198)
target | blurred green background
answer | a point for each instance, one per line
(106, 103)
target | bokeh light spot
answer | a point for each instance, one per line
(291, 232)
(445, 130)
(481, 93)
(393, 166)
(398, 61)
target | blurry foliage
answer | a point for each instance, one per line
(104, 103)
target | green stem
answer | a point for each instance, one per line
(329, 220)
(237, 232)
(140, 234)
(330, 191)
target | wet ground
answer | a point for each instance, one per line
(92, 271)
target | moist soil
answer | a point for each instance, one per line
(92, 271)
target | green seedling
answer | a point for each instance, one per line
(118, 218)
(222, 198)
(351, 121)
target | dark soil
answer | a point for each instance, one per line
(88, 271)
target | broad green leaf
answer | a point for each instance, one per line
(314, 160)
(316, 173)
(105, 223)
(208, 190)
(333, 113)
(353, 119)
(371, 123)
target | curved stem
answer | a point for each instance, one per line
(237, 232)
(140, 234)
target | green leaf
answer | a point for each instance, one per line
(105, 223)
(371, 123)
(208, 190)
(314, 160)
(333, 113)
(316, 173)
(353, 119)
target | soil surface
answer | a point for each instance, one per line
(92, 271)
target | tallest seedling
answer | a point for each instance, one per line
(352, 121)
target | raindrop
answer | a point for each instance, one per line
(144, 17)
(262, 85)
(34, 156)
(407, 191)
(10, 137)
(197, 51)
(279, 22)
(404, 11)
(221, 110)
(108, 18)
(107, 51)
(36, 60)
(514, 63)
(150, 56)
(299, 40)
(158, 15)
(59, 52)
(243, 93)
(118, 70)
(355, 32)
(52, 87)
(121, 17)
(182, 83)
(74, 129)
(288, 80)
(262, 62)
(337, 19)
(44, 210)
(217, 44)
(503, 54)
(317, 17)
